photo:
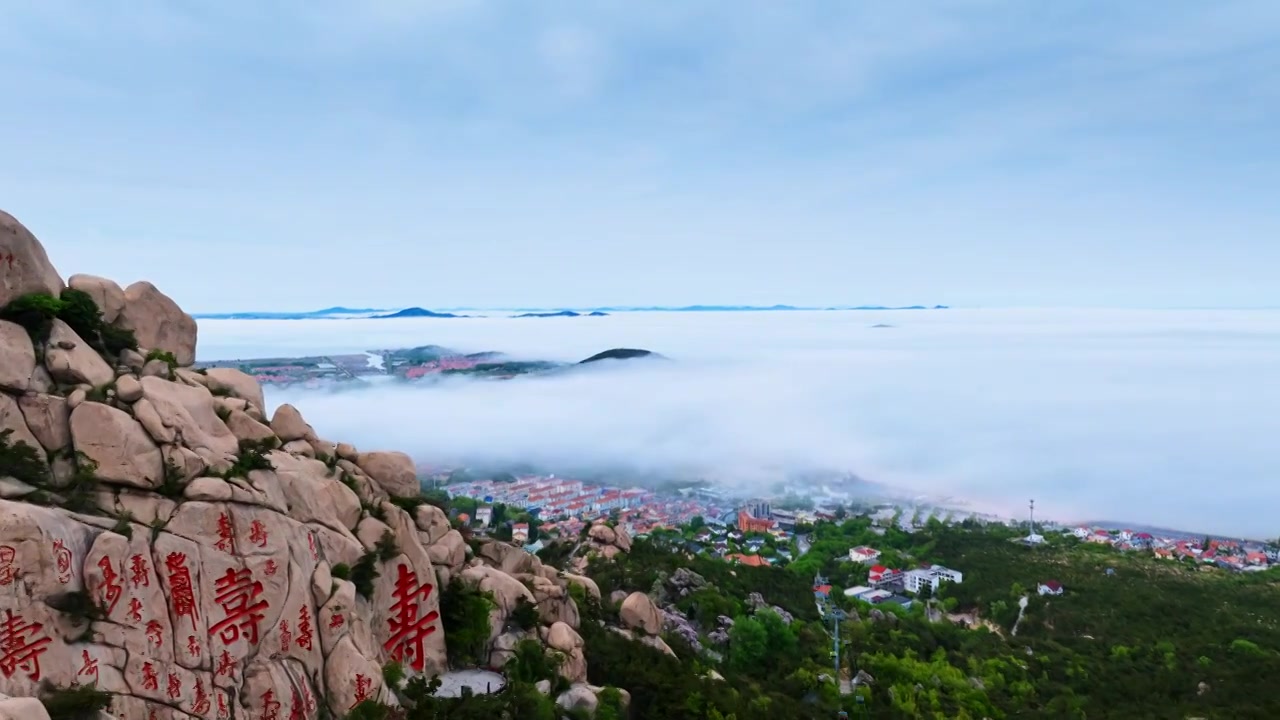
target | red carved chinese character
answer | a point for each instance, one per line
(336, 621)
(193, 646)
(310, 699)
(286, 637)
(304, 628)
(154, 633)
(7, 571)
(226, 665)
(271, 567)
(149, 679)
(90, 667)
(62, 557)
(135, 610)
(408, 631)
(182, 593)
(270, 708)
(200, 706)
(236, 591)
(311, 543)
(151, 714)
(226, 535)
(175, 687)
(224, 712)
(297, 711)
(111, 588)
(19, 646)
(138, 574)
(363, 685)
(258, 533)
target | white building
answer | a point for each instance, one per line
(864, 554)
(484, 515)
(520, 533)
(916, 580)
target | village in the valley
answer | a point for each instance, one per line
(760, 532)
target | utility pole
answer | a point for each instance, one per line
(1033, 516)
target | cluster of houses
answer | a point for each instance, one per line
(565, 506)
(885, 584)
(1238, 555)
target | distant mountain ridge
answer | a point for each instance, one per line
(345, 313)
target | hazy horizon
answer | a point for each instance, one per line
(1158, 417)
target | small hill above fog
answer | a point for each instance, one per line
(622, 354)
(561, 313)
(416, 312)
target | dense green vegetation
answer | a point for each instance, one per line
(36, 313)
(1151, 639)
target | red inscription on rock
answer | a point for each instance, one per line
(111, 587)
(363, 686)
(304, 628)
(175, 687)
(62, 558)
(311, 543)
(8, 571)
(336, 621)
(408, 630)
(155, 633)
(135, 610)
(90, 666)
(182, 594)
(271, 568)
(21, 646)
(286, 637)
(258, 533)
(149, 679)
(193, 646)
(297, 711)
(9, 261)
(138, 572)
(270, 706)
(237, 593)
(226, 535)
(201, 705)
(310, 699)
(224, 712)
(226, 665)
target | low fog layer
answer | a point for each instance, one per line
(1160, 417)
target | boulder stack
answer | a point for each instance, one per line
(164, 539)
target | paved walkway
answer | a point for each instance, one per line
(481, 682)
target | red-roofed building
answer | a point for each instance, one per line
(1050, 587)
(749, 560)
(747, 524)
(880, 575)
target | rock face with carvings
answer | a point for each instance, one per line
(167, 539)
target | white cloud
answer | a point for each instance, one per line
(1160, 417)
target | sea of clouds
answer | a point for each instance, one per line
(1167, 418)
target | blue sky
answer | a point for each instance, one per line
(293, 155)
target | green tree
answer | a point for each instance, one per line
(748, 644)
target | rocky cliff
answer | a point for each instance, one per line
(164, 539)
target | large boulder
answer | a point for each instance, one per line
(17, 357)
(639, 613)
(394, 471)
(189, 411)
(239, 384)
(70, 359)
(108, 296)
(158, 323)
(287, 423)
(122, 450)
(13, 420)
(26, 265)
(48, 417)
(566, 640)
